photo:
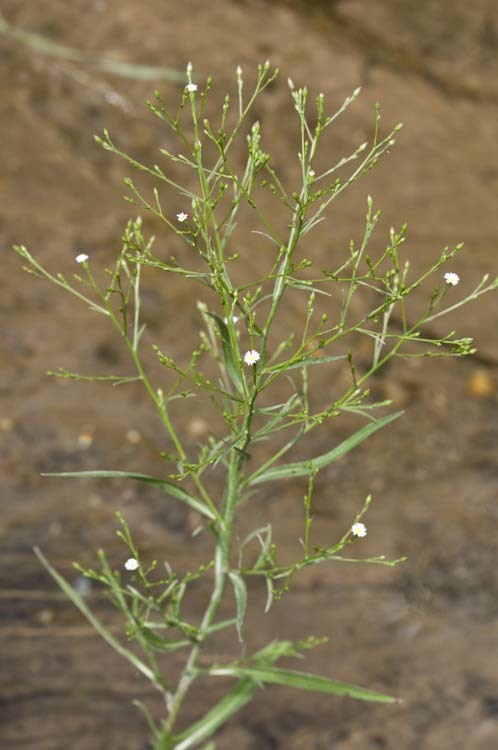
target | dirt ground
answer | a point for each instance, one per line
(426, 631)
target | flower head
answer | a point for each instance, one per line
(81, 258)
(452, 279)
(359, 529)
(131, 564)
(182, 216)
(251, 357)
(191, 87)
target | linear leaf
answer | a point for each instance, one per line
(303, 681)
(93, 620)
(234, 700)
(169, 487)
(158, 642)
(232, 369)
(240, 591)
(210, 722)
(304, 361)
(314, 361)
(107, 64)
(303, 468)
(270, 594)
(221, 625)
(308, 287)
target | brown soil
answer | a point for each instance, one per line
(426, 631)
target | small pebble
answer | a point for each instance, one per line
(44, 616)
(83, 585)
(133, 437)
(85, 439)
(55, 528)
(6, 424)
(94, 500)
(197, 427)
(481, 384)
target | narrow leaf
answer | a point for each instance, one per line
(219, 715)
(234, 700)
(308, 287)
(302, 362)
(232, 368)
(221, 625)
(169, 487)
(303, 468)
(158, 642)
(240, 590)
(314, 361)
(129, 70)
(93, 620)
(269, 594)
(303, 681)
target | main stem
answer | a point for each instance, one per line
(221, 568)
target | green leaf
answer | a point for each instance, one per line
(308, 287)
(158, 642)
(264, 537)
(217, 716)
(240, 590)
(303, 468)
(270, 594)
(231, 365)
(314, 361)
(234, 700)
(221, 625)
(73, 595)
(169, 487)
(128, 70)
(303, 362)
(303, 681)
(274, 651)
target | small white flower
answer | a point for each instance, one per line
(251, 357)
(131, 564)
(81, 258)
(452, 279)
(182, 216)
(235, 319)
(191, 87)
(290, 84)
(359, 529)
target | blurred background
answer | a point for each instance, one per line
(426, 631)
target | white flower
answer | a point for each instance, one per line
(251, 357)
(235, 319)
(81, 258)
(359, 529)
(452, 279)
(290, 84)
(131, 564)
(191, 87)
(182, 216)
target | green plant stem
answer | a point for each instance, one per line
(155, 396)
(221, 568)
